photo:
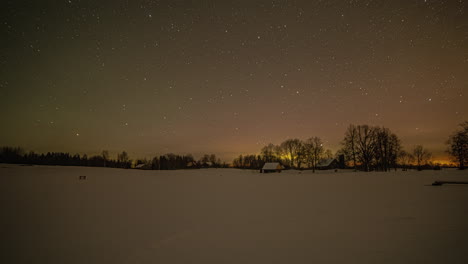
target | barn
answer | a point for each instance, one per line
(328, 164)
(271, 167)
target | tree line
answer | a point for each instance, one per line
(364, 148)
(291, 153)
(173, 161)
(16, 155)
(377, 148)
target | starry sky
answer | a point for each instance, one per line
(228, 77)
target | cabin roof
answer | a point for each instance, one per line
(325, 163)
(271, 166)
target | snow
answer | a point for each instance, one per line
(230, 216)
(271, 166)
(325, 163)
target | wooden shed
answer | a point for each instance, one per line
(271, 167)
(328, 164)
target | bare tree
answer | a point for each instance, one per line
(123, 159)
(421, 155)
(393, 149)
(301, 156)
(387, 146)
(313, 149)
(458, 146)
(349, 144)
(213, 160)
(105, 156)
(268, 153)
(280, 154)
(405, 159)
(292, 148)
(365, 145)
(238, 162)
(155, 164)
(381, 152)
(371, 147)
(205, 158)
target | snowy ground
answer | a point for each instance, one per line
(230, 216)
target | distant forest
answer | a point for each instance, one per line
(364, 147)
(16, 155)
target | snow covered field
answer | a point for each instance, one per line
(230, 216)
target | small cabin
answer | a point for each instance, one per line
(271, 167)
(191, 164)
(143, 166)
(207, 164)
(328, 164)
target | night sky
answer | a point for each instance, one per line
(228, 77)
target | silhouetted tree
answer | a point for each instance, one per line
(205, 160)
(61, 158)
(387, 146)
(394, 148)
(350, 144)
(421, 155)
(313, 148)
(328, 154)
(84, 160)
(269, 153)
(105, 156)
(248, 162)
(292, 148)
(11, 155)
(123, 160)
(155, 165)
(365, 145)
(76, 160)
(458, 146)
(95, 161)
(405, 159)
(280, 154)
(213, 160)
(172, 161)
